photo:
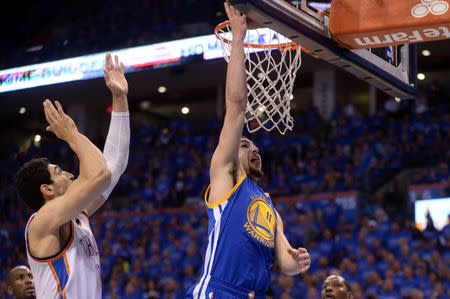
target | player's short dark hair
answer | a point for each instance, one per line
(29, 179)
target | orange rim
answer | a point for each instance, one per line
(283, 46)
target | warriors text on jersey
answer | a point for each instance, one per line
(241, 241)
(75, 271)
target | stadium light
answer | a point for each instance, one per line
(421, 76)
(260, 110)
(162, 89)
(22, 110)
(145, 105)
(185, 110)
(426, 53)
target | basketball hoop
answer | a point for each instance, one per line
(271, 66)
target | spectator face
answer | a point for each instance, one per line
(408, 272)
(20, 283)
(286, 281)
(370, 259)
(421, 269)
(285, 295)
(388, 285)
(404, 250)
(433, 278)
(417, 294)
(334, 288)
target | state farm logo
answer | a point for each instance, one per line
(435, 7)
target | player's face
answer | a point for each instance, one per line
(61, 179)
(250, 159)
(334, 288)
(22, 286)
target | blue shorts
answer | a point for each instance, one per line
(218, 289)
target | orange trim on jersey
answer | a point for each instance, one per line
(56, 277)
(63, 251)
(224, 198)
(68, 274)
(66, 263)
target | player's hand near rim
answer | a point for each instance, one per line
(114, 76)
(238, 22)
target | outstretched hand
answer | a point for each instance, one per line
(114, 75)
(238, 21)
(301, 256)
(59, 122)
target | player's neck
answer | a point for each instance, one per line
(253, 178)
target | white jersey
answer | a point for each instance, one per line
(74, 273)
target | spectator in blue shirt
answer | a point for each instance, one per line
(388, 290)
(331, 214)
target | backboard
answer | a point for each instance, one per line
(310, 29)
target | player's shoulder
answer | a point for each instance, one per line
(30, 221)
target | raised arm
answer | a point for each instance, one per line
(290, 260)
(116, 150)
(94, 176)
(226, 154)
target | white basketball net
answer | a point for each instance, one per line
(271, 72)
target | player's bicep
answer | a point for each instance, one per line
(227, 150)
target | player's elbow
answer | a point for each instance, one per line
(123, 166)
(102, 178)
(235, 113)
(236, 98)
(289, 270)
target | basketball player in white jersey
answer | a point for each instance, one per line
(61, 249)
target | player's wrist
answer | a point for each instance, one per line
(119, 95)
(71, 136)
(238, 39)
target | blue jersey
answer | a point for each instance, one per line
(241, 241)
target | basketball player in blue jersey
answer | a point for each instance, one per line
(61, 248)
(245, 233)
